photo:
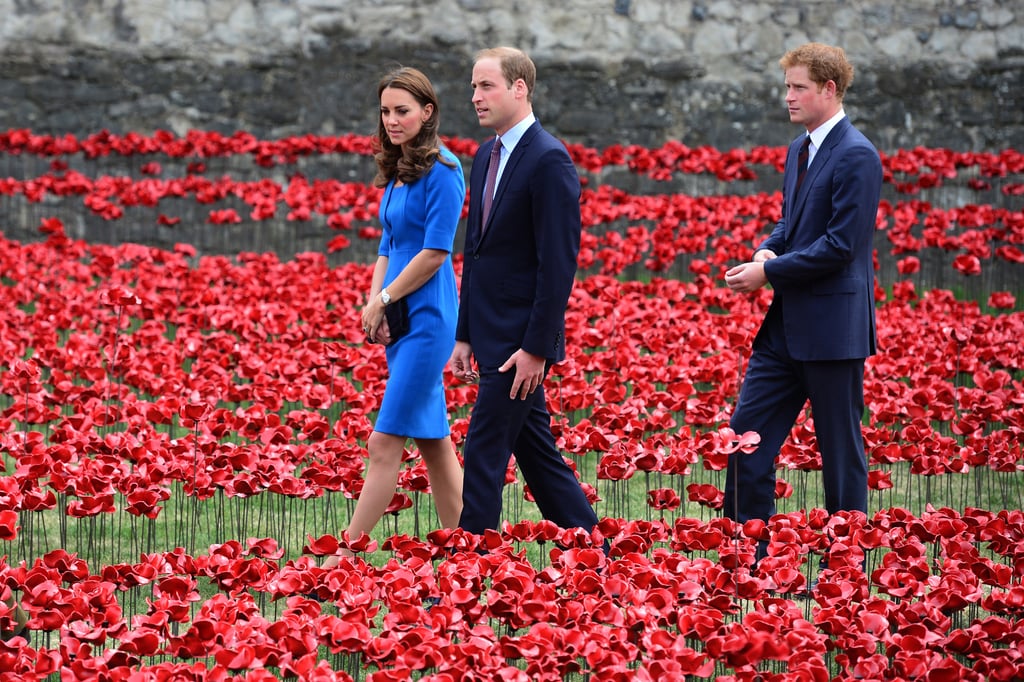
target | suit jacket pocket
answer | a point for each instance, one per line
(519, 288)
(836, 285)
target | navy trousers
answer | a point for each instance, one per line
(500, 426)
(774, 390)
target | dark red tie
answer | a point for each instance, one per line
(492, 178)
(801, 161)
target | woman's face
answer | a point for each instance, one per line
(401, 115)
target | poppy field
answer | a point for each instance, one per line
(183, 433)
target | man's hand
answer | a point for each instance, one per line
(462, 362)
(529, 373)
(748, 277)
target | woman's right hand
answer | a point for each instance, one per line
(382, 334)
(373, 317)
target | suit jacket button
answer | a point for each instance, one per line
(476, 256)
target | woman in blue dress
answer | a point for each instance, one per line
(419, 212)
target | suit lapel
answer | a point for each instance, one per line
(506, 174)
(822, 158)
(789, 180)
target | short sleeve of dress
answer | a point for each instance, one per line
(446, 195)
(385, 237)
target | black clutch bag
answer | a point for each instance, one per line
(397, 315)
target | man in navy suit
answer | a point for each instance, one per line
(820, 326)
(518, 270)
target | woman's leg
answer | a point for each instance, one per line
(386, 452)
(445, 476)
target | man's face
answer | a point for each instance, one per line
(809, 104)
(496, 103)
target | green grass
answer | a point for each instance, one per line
(194, 525)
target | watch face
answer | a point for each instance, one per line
(385, 297)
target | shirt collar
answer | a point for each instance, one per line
(512, 136)
(819, 134)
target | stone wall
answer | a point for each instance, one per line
(946, 73)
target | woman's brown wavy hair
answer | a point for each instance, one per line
(416, 159)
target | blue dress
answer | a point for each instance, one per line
(422, 214)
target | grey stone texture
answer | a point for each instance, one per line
(940, 73)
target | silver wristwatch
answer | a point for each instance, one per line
(385, 297)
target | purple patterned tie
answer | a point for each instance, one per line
(801, 160)
(492, 178)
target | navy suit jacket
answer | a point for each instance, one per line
(517, 273)
(823, 278)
